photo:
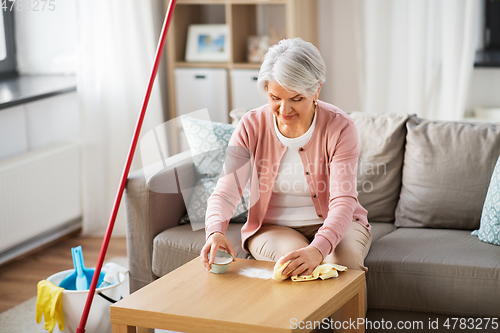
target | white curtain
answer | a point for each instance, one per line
(116, 45)
(416, 55)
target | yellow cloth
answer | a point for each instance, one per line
(323, 271)
(49, 303)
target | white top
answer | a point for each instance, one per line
(291, 203)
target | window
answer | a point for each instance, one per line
(3, 46)
(7, 45)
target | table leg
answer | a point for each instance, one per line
(354, 311)
(338, 317)
(119, 328)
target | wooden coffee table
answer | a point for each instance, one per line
(190, 299)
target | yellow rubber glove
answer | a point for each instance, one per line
(49, 303)
(323, 271)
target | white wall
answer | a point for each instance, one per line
(46, 40)
(39, 124)
(337, 44)
(337, 41)
(484, 88)
(52, 120)
(485, 82)
(13, 133)
(45, 44)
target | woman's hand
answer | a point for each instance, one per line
(214, 242)
(304, 261)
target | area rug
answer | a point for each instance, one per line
(22, 318)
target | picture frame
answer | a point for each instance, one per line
(208, 43)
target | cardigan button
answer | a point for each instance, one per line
(319, 215)
(314, 196)
(307, 172)
(357, 219)
(301, 149)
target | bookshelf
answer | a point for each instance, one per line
(289, 18)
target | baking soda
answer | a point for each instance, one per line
(222, 260)
(258, 273)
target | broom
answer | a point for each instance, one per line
(116, 205)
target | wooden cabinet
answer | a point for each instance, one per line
(290, 18)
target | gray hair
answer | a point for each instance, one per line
(295, 64)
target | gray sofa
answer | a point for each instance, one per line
(423, 183)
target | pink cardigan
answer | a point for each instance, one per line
(330, 160)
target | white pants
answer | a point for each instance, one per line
(272, 242)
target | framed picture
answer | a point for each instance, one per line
(208, 42)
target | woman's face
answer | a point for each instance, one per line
(291, 108)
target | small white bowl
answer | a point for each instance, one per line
(221, 262)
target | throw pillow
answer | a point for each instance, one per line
(446, 172)
(489, 230)
(208, 142)
(381, 144)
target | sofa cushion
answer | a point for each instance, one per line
(381, 141)
(489, 231)
(434, 270)
(446, 172)
(176, 246)
(380, 229)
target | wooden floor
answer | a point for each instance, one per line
(18, 279)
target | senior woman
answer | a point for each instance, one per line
(305, 154)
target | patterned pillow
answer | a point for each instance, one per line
(489, 230)
(208, 142)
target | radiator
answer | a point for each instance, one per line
(39, 193)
